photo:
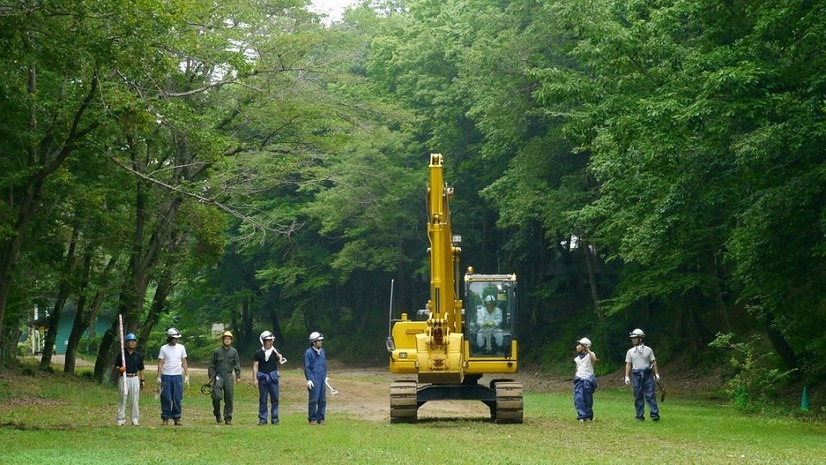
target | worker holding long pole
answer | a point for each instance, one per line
(122, 346)
(129, 365)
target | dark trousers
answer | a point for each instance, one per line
(645, 391)
(317, 404)
(268, 389)
(172, 393)
(584, 398)
(223, 388)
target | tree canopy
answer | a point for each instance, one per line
(637, 164)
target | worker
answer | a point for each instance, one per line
(641, 371)
(265, 377)
(488, 322)
(223, 364)
(315, 370)
(585, 382)
(133, 381)
(173, 374)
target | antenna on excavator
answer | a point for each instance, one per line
(390, 318)
(389, 343)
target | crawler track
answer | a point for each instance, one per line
(403, 402)
(509, 405)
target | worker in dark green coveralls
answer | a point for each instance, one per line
(221, 367)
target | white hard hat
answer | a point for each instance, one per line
(637, 333)
(585, 342)
(490, 299)
(315, 336)
(172, 332)
(266, 336)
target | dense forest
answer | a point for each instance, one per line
(653, 164)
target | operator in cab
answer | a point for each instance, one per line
(489, 321)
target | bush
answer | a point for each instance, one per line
(757, 380)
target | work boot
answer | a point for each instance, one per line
(218, 419)
(262, 422)
(178, 422)
(322, 422)
(228, 422)
(165, 421)
(312, 422)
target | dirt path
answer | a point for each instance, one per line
(365, 393)
(60, 360)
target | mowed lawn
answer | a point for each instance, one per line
(55, 419)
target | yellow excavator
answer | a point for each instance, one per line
(448, 346)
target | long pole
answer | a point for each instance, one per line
(122, 351)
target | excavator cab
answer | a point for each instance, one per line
(490, 324)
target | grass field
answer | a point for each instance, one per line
(55, 419)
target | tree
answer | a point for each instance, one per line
(674, 99)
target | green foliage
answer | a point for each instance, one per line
(756, 382)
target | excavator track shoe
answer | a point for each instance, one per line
(403, 402)
(509, 404)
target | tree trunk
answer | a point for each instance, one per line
(89, 316)
(8, 350)
(141, 263)
(246, 317)
(158, 308)
(722, 309)
(10, 249)
(692, 326)
(79, 325)
(781, 346)
(590, 262)
(103, 370)
(276, 326)
(62, 296)
(48, 159)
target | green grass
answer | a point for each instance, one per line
(57, 419)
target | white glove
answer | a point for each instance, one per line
(310, 384)
(158, 379)
(327, 379)
(186, 380)
(627, 381)
(657, 377)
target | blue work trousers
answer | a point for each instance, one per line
(264, 390)
(584, 397)
(317, 404)
(645, 391)
(172, 392)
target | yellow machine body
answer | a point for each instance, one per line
(451, 345)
